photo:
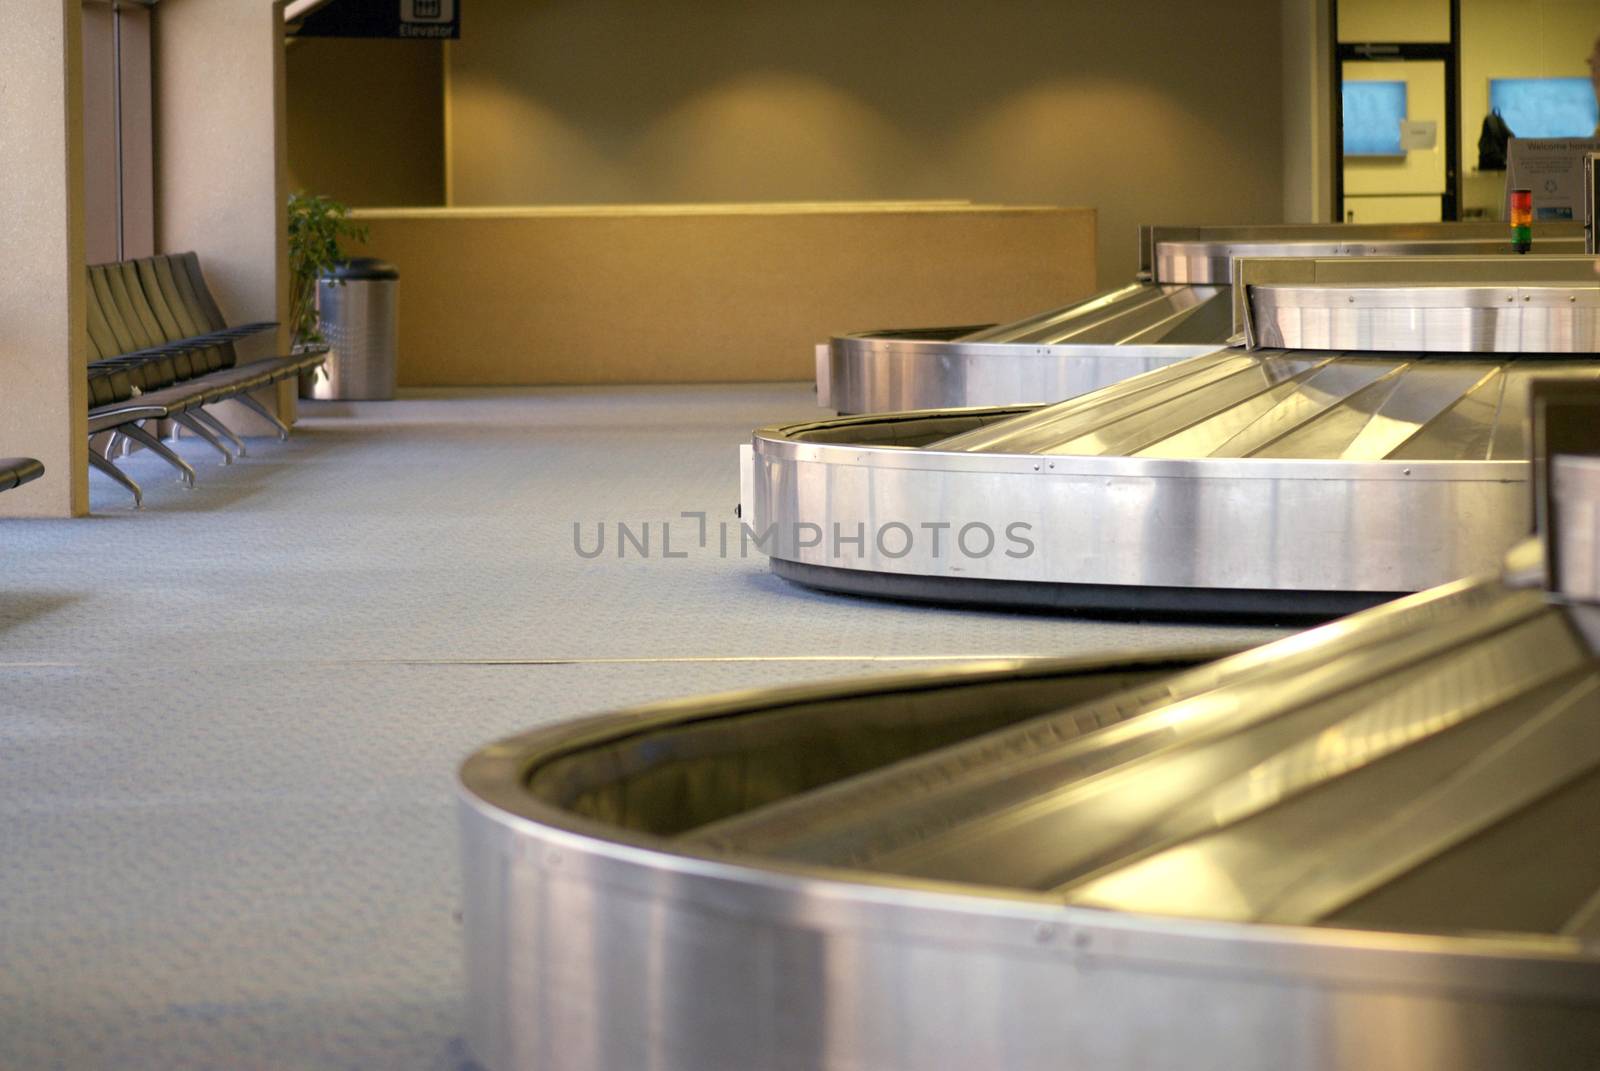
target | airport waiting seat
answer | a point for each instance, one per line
(15, 471)
(161, 350)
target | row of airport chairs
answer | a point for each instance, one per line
(159, 350)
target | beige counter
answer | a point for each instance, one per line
(705, 293)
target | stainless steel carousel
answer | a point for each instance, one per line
(1384, 453)
(1368, 845)
(1179, 306)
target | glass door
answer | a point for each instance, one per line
(1395, 165)
(1396, 107)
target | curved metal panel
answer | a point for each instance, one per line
(1313, 526)
(874, 374)
(635, 896)
(584, 954)
(1246, 482)
(1184, 307)
(1211, 260)
(1556, 318)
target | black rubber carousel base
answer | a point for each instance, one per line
(1089, 600)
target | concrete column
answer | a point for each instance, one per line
(100, 224)
(43, 338)
(220, 163)
(119, 198)
(1307, 112)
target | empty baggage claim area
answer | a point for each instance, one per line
(763, 551)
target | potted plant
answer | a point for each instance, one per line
(317, 225)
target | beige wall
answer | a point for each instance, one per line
(1389, 21)
(1165, 113)
(366, 120)
(709, 294)
(1514, 39)
(1307, 112)
(1499, 39)
(100, 225)
(1406, 188)
(220, 179)
(42, 334)
(117, 130)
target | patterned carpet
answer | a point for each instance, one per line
(229, 723)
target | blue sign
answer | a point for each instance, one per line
(1373, 112)
(1545, 107)
(420, 19)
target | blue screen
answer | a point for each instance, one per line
(1545, 107)
(1373, 112)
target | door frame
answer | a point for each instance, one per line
(1374, 51)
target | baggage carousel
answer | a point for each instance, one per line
(1301, 482)
(1368, 845)
(1179, 306)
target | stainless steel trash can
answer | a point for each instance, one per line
(359, 303)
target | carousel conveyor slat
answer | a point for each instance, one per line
(1289, 404)
(1380, 847)
(1264, 862)
(1142, 314)
(1203, 319)
(1262, 790)
(1316, 858)
(842, 821)
(1183, 303)
(1093, 309)
(668, 781)
(1238, 481)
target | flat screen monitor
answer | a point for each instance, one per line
(1545, 107)
(1373, 112)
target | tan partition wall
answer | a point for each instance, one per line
(42, 334)
(221, 181)
(713, 293)
(1169, 111)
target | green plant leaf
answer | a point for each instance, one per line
(317, 225)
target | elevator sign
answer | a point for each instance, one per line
(426, 19)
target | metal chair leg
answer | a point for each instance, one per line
(104, 465)
(188, 421)
(162, 450)
(211, 421)
(283, 429)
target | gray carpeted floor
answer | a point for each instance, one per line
(230, 722)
